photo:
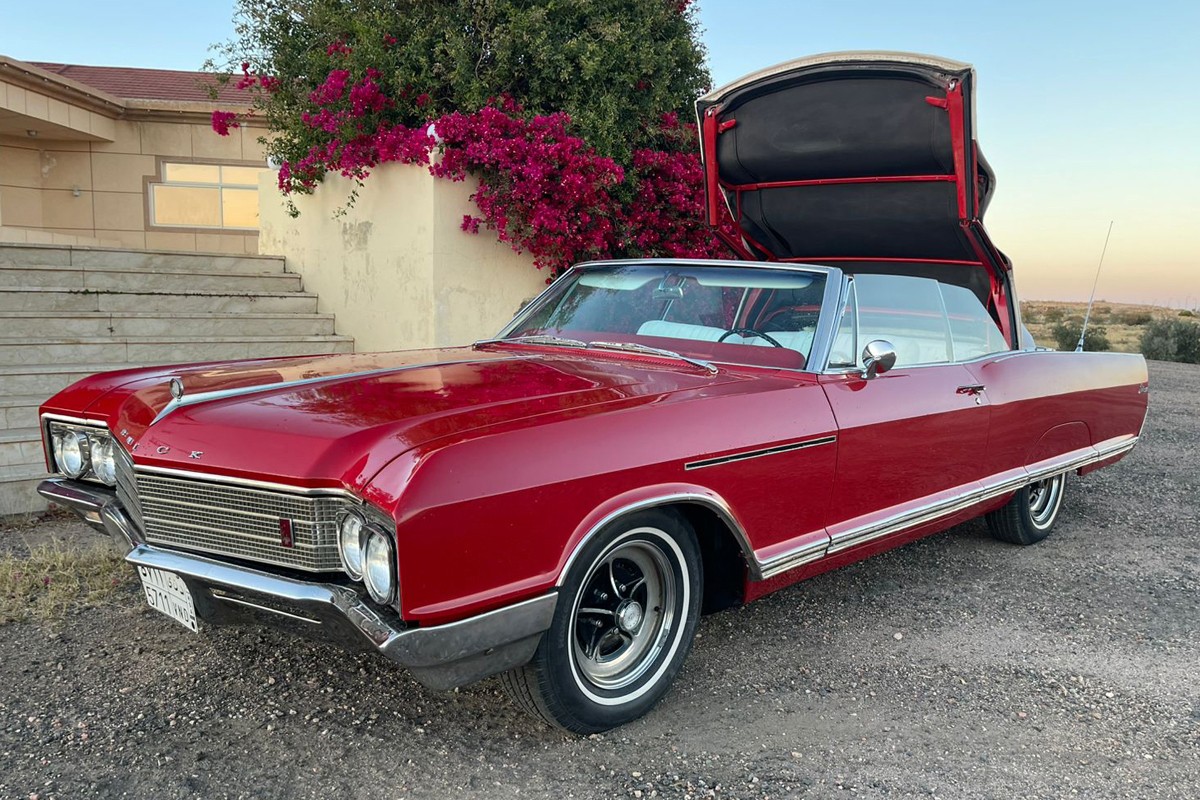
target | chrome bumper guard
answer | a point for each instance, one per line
(441, 656)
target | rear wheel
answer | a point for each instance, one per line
(624, 624)
(1031, 513)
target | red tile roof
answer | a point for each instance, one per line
(134, 83)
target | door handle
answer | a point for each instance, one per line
(972, 390)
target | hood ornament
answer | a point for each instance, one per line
(177, 388)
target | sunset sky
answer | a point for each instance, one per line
(1087, 111)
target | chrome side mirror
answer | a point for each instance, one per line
(878, 357)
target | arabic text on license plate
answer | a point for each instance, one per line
(166, 592)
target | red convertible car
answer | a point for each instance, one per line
(648, 441)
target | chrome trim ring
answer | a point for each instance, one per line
(612, 673)
(623, 614)
(1045, 498)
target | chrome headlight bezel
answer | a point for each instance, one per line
(379, 566)
(103, 456)
(86, 439)
(352, 524)
(72, 451)
(359, 527)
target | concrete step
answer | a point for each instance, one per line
(44, 380)
(164, 349)
(37, 298)
(104, 258)
(19, 410)
(177, 281)
(39, 324)
(21, 446)
(18, 489)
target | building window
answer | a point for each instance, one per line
(206, 196)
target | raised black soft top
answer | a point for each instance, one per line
(857, 155)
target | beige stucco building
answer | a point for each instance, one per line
(125, 158)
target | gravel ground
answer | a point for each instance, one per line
(955, 667)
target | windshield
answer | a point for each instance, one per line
(743, 315)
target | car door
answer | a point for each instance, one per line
(911, 441)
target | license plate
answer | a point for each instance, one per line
(166, 592)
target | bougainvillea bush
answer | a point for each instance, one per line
(568, 114)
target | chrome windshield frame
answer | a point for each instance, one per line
(835, 282)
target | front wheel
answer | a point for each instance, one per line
(624, 624)
(1031, 513)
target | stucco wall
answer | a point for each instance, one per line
(396, 268)
(82, 177)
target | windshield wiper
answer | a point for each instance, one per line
(545, 339)
(634, 347)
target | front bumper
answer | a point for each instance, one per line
(441, 657)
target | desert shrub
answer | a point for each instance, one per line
(1066, 336)
(1135, 317)
(1172, 340)
(1053, 314)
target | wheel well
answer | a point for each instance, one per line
(724, 563)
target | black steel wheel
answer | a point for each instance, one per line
(626, 616)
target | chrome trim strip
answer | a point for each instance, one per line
(720, 507)
(795, 558)
(766, 451)
(933, 511)
(44, 421)
(222, 394)
(910, 519)
(1119, 444)
(836, 285)
(94, 423)
(247, 482)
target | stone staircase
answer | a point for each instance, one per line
(67, 312)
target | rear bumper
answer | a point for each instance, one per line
(441, 656)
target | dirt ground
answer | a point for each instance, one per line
(955, 667)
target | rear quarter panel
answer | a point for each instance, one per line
(1047, 403)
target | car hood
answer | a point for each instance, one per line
(332, 420)
(842, 156)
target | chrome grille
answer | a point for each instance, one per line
(238, 521)
(126, 487)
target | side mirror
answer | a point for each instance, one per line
(878, 357)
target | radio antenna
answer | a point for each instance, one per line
(1088, 314)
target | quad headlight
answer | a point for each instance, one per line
(379, 567)
(368, 554)
(71, 451)
(352, 541)
(85, 452)
(104, 459)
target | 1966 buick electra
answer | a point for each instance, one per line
(648, 440)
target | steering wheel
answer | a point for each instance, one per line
(748, 332)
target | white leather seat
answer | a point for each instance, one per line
(800, 341)
(682, 330)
